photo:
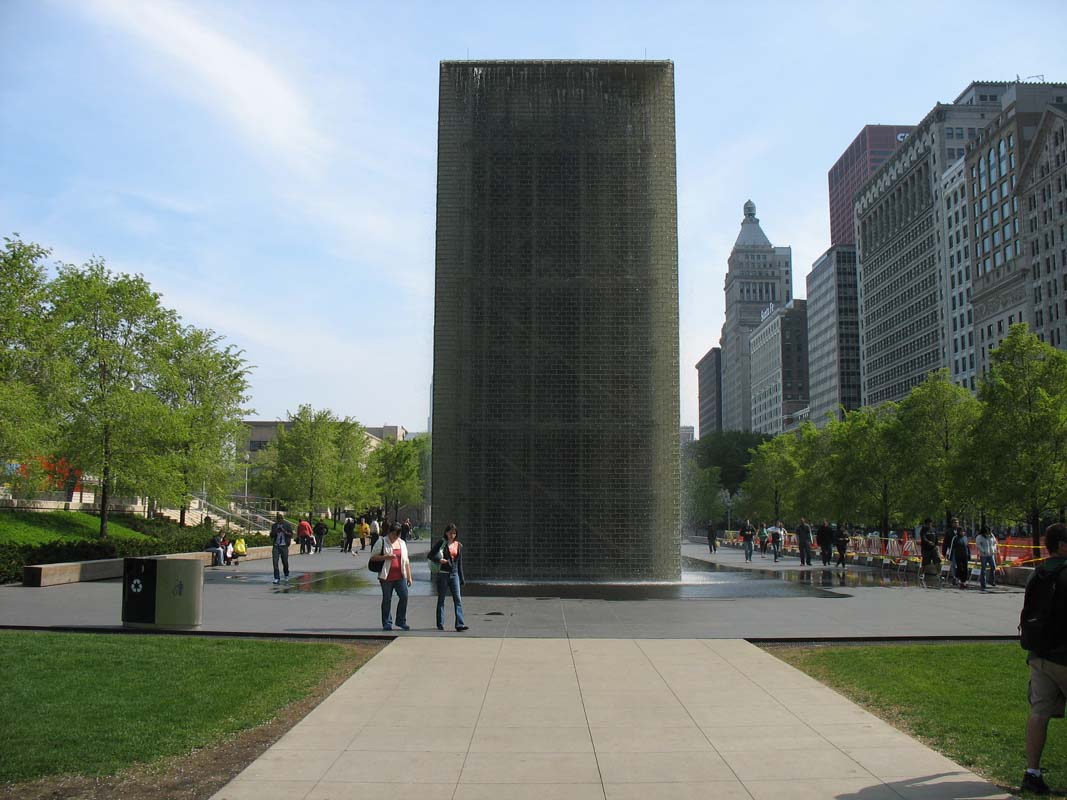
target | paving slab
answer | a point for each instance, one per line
(613, 745)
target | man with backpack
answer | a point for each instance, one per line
(1043, 634)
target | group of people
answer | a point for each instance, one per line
(772, 537)
(955, 546)
(224, 552)
(394, 575)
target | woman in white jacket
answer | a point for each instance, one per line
(394, 575)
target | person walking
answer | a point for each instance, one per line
(375, 532)
(987, 556)
(364, 533)
(1045, 640)
(928, 545)
(350, 533)
(804, 542)
(824, 537)
(320, 534)
(447, 556)
(748, 533)
(777, 535)
(960, 547)
(841, 543)
(763, 537)
(305, 536)
(713, 538)
(281, 533)
(394, 576)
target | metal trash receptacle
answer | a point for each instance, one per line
(163, 592)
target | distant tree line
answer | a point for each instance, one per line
(940, 452)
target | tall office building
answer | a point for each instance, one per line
(780, 367)
(1009, 286)
(833, 334)
(555, 408)
(1042, 191)
(902, 255)
(956, 277)
(709, 389)
(868, 151)
(758, 274)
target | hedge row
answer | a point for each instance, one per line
(168, 537)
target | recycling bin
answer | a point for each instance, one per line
(162, 592)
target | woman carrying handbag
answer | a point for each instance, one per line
(446, 565)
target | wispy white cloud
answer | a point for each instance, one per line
(232, 79)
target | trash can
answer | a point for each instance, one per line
(164, 592)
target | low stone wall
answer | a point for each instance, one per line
(105, 568)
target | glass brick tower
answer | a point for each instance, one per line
(555, 405)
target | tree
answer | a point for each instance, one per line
(701, 494)
(867, 463)
(936, 422)
(109, 328)
(816, 497)
(25, 430)
(204, 386)
(306, 459)
(396, 468)
(772, 475)
(353, 483)
(730, 451)
(1020, 438)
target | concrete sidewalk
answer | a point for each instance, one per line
(554, 719)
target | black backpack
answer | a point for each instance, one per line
(1041, 629)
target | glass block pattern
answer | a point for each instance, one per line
(555, 393)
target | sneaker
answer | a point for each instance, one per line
(387, 627)
(440, 627)
(404, 627)
(1034, 783)
(462, 628)
(276, 581)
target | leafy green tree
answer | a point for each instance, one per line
(204, 386)
(730, 451)
(936, 422)
(25, 429)
(396, 468)
(306, 459)
(109, 330)
(1019, 446)
(772, 476)
(816, 497)
(868, 463)
(353, 484)
(701, 494)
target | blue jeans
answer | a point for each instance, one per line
(401, 588)
(991, 562)
(449, 582)
(748, 549)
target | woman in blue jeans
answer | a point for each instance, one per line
(447, 556)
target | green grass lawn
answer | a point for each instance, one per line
(93, 704)
(29, 527)
(966, 700)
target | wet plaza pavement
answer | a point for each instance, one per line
(333, 594)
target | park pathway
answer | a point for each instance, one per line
(613, 719)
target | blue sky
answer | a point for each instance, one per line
(270, 166)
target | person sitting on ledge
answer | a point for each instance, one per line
(218, 552)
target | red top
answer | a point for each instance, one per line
(304, 528)
(394, 567)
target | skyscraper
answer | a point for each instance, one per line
(833, 334)
(709, 389)
(758, 274)
(779, 367)
(556, 436)
(868, 151)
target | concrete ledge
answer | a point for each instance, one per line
(105, 568)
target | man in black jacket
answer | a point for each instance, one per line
(804, 542)
(320, 534)
(748, 533)
(1048, 668)
(281, 534)
(824, 537)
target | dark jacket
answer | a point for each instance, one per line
(804, 534)
(747, 532)
(1052, 564)
(321, 529)
(281, 527)
(928, 542)
(824, 537)
(439, 551)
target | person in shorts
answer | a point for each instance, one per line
(1048, 669)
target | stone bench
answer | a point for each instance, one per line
(105, 568)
